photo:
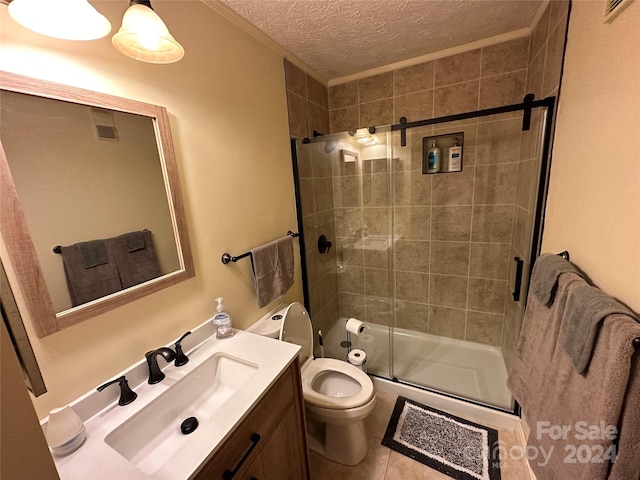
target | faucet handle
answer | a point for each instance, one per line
(126, 394)
(181, 358)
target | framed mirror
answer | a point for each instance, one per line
(91, 211)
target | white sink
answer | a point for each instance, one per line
(150, 437)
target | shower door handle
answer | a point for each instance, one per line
(518, 280)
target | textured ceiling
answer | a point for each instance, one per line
(337, 38)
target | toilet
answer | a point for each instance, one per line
(337, 395)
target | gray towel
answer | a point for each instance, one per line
(586, 308)
(93, 253)
(135, 265)
(272, 269)
(544, 381)
(544, 278)
(90, 283)
(135, 240)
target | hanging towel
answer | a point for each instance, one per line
(272, 269)
(135, 257)
(135, 240)
(90, 270)
(586, 308)
(552, 393)
(93, 252)
(544, 282)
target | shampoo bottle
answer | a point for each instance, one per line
(434, 158)
(455, 157)
(222, 321)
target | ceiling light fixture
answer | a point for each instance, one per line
(364, 137)
(144, 36)
(65, 19)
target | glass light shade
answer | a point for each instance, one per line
(66, 19)
(144, 36)
(363, 137)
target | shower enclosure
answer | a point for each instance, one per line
(434, 263)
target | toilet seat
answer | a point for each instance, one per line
(326, 382)
(344, 373)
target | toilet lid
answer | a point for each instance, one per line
(296, 328)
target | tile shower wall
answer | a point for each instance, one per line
(482, 78)
(452, 231)
(543, 79)
(307, 106)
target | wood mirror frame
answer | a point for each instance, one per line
(15, 231)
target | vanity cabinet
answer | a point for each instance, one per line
(270, 443)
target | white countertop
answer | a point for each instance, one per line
(101, 414)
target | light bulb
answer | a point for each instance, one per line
(65, 19)
(144, 36)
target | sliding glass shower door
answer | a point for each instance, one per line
(343, 187)
(435, 262)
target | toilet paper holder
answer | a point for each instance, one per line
(355, 326)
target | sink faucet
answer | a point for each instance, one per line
(155, 374)
(126, 394)
(181, 358)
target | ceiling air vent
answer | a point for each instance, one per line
(105, 128)
(613, 7)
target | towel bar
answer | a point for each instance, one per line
(58, 248)
(227, 258)
(565, 255)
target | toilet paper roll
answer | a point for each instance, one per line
(358, 358)
(355, 326)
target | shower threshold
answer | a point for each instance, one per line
(455, 367)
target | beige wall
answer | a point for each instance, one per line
(594, 200)
(232, 145)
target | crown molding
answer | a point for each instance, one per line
(485, 42)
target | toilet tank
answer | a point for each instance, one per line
(269, 325)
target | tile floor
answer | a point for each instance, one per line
(382, 463)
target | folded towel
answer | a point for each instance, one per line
(136, 265)
(135, 240)
(272, 269)
(553, 394)
(93, 253)
(89, 283)
(587, 307)
(544, 278)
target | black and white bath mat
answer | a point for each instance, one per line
(456, 447)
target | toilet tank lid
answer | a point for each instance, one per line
(269, 325)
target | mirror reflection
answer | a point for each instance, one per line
(90, 180)
(93, 177)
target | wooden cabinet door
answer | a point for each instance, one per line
(282, 457)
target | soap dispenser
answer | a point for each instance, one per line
(455, 157)
(434, 158)
(222, 321)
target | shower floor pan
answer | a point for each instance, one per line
(456, 367)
